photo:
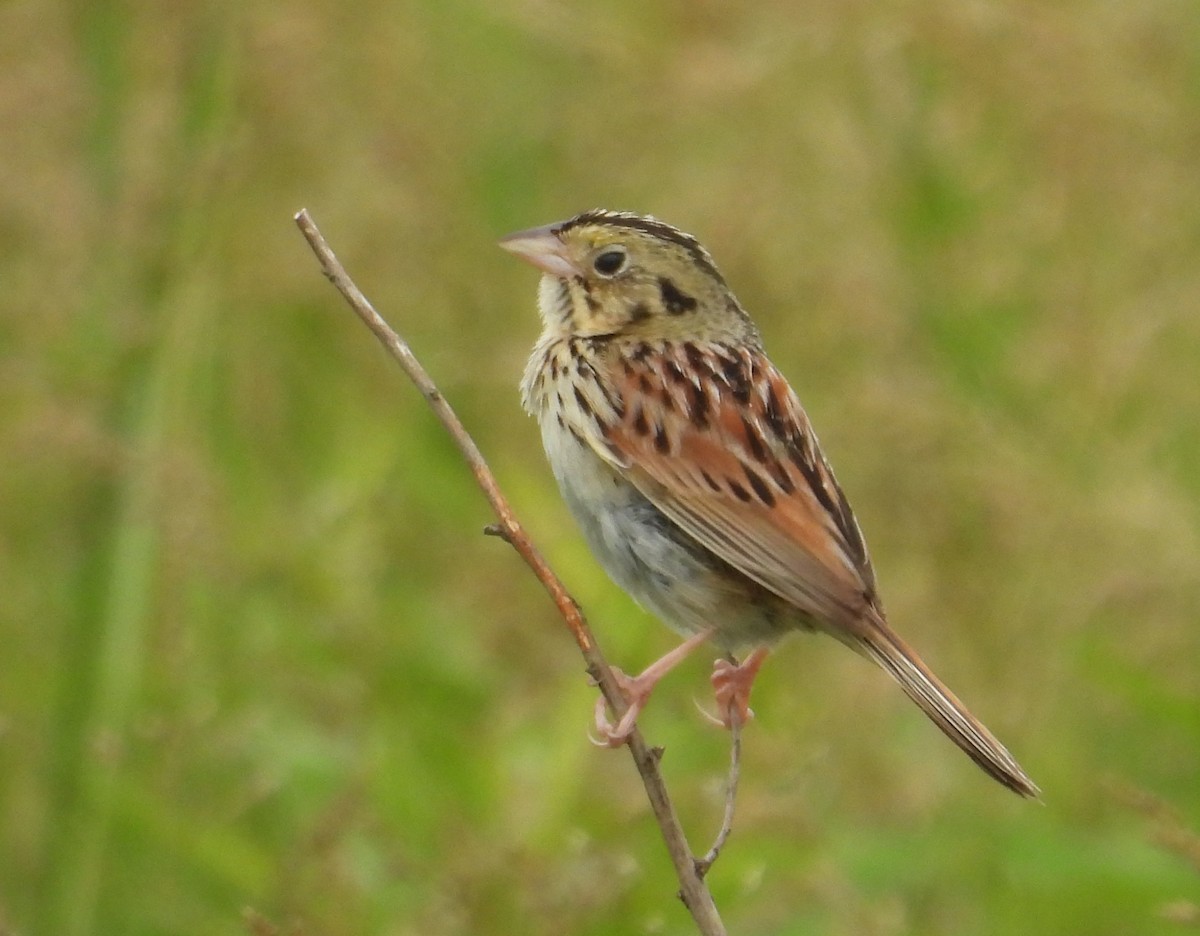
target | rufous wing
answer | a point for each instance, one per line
(715, 438)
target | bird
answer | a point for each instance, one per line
(694, 473)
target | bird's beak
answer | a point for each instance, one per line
(541, 247)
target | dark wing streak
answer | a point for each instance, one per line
(781, 409)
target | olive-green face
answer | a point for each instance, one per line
(612, 274)
(640, 277)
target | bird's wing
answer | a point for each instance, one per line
(716, 439)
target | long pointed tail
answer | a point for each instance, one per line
(881, 644)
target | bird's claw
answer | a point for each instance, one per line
(610, 735)
(731, 684)
(743, 713)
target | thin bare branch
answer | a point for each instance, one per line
(693, 891)
(703, 865)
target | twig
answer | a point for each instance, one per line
(703, 865)
(692, 889)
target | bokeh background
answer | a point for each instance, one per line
(261, 673)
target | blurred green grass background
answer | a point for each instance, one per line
(261, 672)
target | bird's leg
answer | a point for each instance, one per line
(731, 683)
(637, 689)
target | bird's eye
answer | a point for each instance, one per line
(609, 263)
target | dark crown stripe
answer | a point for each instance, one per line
(650, 226)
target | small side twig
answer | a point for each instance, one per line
(703, 865)
(496, 530)
(693, 891)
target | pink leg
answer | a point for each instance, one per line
(637, 691)
(732, 683)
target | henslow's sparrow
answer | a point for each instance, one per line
(693, 471)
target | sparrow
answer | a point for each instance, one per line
(694, 473)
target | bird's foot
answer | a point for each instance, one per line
(637, 693)
(732, 682)
(636, 690)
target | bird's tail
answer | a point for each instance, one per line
(879, 643)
